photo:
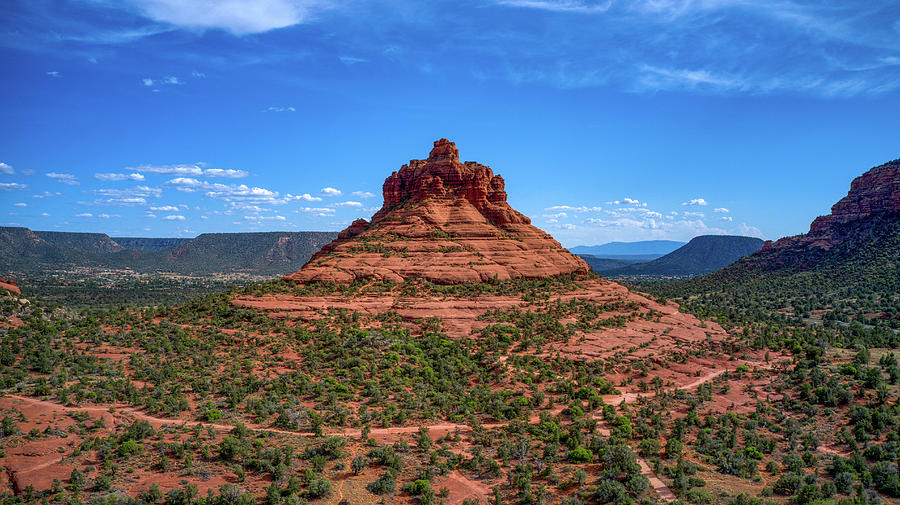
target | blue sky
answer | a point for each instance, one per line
(616, 120)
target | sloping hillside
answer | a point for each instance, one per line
(701, 255)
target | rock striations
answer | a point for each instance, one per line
(444, 221)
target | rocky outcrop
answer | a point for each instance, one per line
(9, 285)
(873, 195)
(877, 190)
(445, 221)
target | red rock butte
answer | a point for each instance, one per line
(444, 221)
(874, 193)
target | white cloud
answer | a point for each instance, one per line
(187, 184)
(107, 216)
(228, 173)
(727, 218)
(141, 191)
(45, 214)
(6, 169)
(169, 80)
(198, 75)
(318, 211)
(656, 78)
(47, 194)
(363, 194)
(579, 6)
(240, 196)
(53, 73)
(165, 208)
(265, 218)
(119, 177)
(84, 214)
(694, 214)
(569, 208)
(348, 204)
(63, 178)
(10, 186)
(175, 217)
(308, 198)
(351, 60)
(631, 201)
(331, 192)
(280, 109)
(126, 197)
(195, 169)
(20, 204)
(721, 210)
(696, 201)
(239, 17)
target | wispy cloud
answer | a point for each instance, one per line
(363, 194)
(119, 177)
(47, 194)
(190, 169)
(696, 201)
(169, 80)
(175, 217)
(328, 191)
(278, 108)
(125, 197)
(318, 211)
(351, 60)
(347, 204)
(655, 78)
(6, 169)
(69, 179)
(579, 6)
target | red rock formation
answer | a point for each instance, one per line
(10, 286)
(874, 192)
(877, 190)
(445, 221)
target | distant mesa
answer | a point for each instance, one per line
(444, 221)
(702, 255)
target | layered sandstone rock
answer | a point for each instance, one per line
(444, 221)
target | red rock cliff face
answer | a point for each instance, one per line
(874, 192)
(877, 190)
(444, 221)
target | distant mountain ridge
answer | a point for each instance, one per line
(702, 255)
(643, 247)
(262, 253)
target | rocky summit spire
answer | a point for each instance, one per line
(445, 221)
